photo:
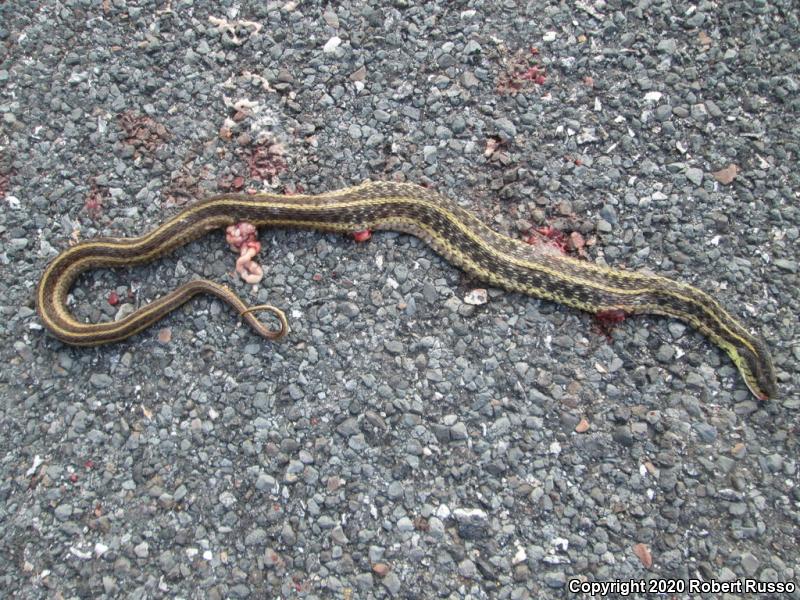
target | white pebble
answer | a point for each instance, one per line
(332, 44)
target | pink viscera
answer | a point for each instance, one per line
(362, 236)
(237, 235)
(243, 238)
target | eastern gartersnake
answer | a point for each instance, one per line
(452, 231)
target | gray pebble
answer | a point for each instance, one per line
(295, 393)
(458, 431)
(394, 347)
(326, 522)
(663, 112)
(392, 583)
(609, 213)
(348, 427)
(63, 511)
(707, 433)
(505, 126)
(256, 537)
(458, 124)
(395, 490)
(555, 579)
(604, 226)
(786, 265)
(430, 154)
(101, 380)
(142, 550)
(667, 45)
(694, 175)
(749, 563)
(466, 568)
(665, 353)
(472, 47)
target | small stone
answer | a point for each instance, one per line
(430, 154)
(458, 431)
(623, 436)
(63, 512)
(348, 427)
(17, 243)
(642, 552)
(295, 392)
(604, 226)
(476, 297)
(706, 432)
(469, 514)
(725, 464)
(505, 126)
(354, 131)
(737, 509)
(786, 265)
(142, 550)
(359, 75)
(696, 20)
(272, 559)
(401, 273)
(665, 353)
(256, 537)
(694, 175)
(739, 450)
(676, 329)
(609, 213)
(180, 493)
(392, 583)
(395, 490)
(667, 46)
(472, 47)
(331, 45)
(331, 19)
(445, 60)
(555, 579)
(466, 568)
(436, 527)
(458, 124)
(326, 522)
(699, 112)
(109, 585)
(101, 380)
(768, 574)
(663, 112)
(469, 80)
(775, 462)
(394, 347)
(749, 563)
(727, 175)
(357, 442)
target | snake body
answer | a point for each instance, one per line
(453, 232)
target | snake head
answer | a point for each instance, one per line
(755, 364)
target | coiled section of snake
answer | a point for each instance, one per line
(455, 233)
